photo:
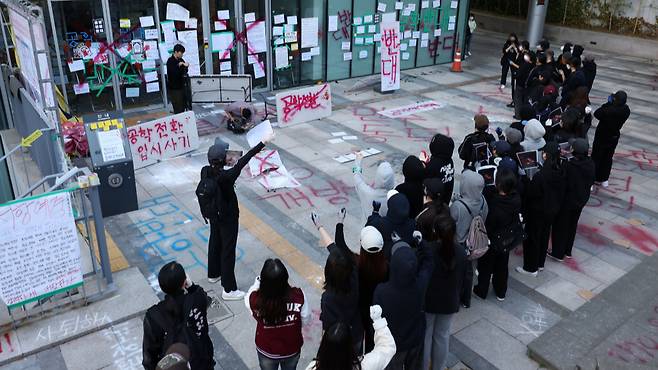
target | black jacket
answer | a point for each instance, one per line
(574, 81)
(441, 165)
(192, 312)
(503, 211)
(412, 187)
(445, 285)
(580, 178)
(611, 120)
(336, 307)
(523, 73)
(396, 219)
(545, 193)
(402, 298)
(226, 180)
(466, 148)
(175, 73)
(589, 69)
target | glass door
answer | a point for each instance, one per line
(254, 42)
(386, 12)
(224, 26)
(135, 50)
(85, 55)
(339, 39)
(285, 43)
(363, 39)
(429, 36)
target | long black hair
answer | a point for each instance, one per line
(445, 228)
(171, 279)
(338, 272)
(336, 350)
(273, 292)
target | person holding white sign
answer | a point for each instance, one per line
(224, 222)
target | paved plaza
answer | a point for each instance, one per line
(614, 253)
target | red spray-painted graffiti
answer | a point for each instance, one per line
(344, 23)
(242, 38)
(7, 339)
(640, 350)
(378, 129)
(312, 100)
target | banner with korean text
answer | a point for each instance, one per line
(390, 56)
(303, 105)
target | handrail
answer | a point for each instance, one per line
(61, 178)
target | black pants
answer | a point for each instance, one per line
(602, 152)
(495, 264)
(519, 99)
(538, 228)
(467, 47)
(407, 360)
(564, 231)
(177, 98)
(467, 286)
(221, 251)
(503, 74)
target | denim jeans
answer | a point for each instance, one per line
(289, 363)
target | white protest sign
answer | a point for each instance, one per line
(39, 248)
(410, 109)
(274, 174)
(256, 134)
(390, 56)
(163, 138)
(303, 105)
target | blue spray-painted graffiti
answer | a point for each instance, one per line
(172, 233)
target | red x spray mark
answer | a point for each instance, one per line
(242, 38)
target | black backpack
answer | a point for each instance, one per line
(208, 195)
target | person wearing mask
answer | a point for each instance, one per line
(562, 68)
(580, 178)
(182, 315)
(504, 209)
(280, 311)
(533, 136)
(443, 290)
(522, 76)
(470, 29)
(407, 284)
(337, 353)
(177, 69)
(384, 181)
(544, 195)
(480, 136)
(412, 187)
(225, 224)
(589, 69)
(508, 56)
(575, 80)
(468, 204)
(440, 164)
(434, 206)
(340, 299)
(612, 116)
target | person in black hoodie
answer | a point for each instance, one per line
(340, 299)
(402, 299)
(396, 220)
(412, 187)
(575, 80)
(566, 130)
(480, 136)
(508, 56)
(526, 114)
(580, 177)
(522, 74)
(182, 316)
(612, 116)
(443, 290)
(504, 209)
(544, 195)
(589, 69)
(440, 164)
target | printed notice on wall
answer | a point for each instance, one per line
(309, 32)
(111, 145)
(39, 249)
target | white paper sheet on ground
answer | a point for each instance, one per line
(151, 34)
(281, 57)
(279, 18)
(152, 87)
(146, 21)
(278, 180)
(223, 14)
(335, 140)
(309, 32)
(349, 138)
(256, 37)
(350, 156)
(82, 88)
(191, 23)
(256, 134)
(176, 12)
(338, 134)
(132, 92)
(274, 174)
(333, 23)
(76, 65)
(250, 17)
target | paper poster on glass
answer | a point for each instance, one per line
(220, 42)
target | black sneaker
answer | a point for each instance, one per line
(510, 105)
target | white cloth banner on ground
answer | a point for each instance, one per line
(274, 174)
(303, 105)
(410, 109)
(163, 138)
(39, 248)
(390, 56)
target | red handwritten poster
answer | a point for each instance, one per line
(163, 138)
(303, 105)
(390, 56)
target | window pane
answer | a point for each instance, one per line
(363, 46)
(337, 67)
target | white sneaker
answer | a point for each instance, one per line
(521, 271)
(214, 280)
(235, 295)
(605, 184)
(469, 53)
(502, 87)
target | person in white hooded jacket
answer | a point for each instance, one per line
(384, 181)
(336, 351)
(534, 136)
